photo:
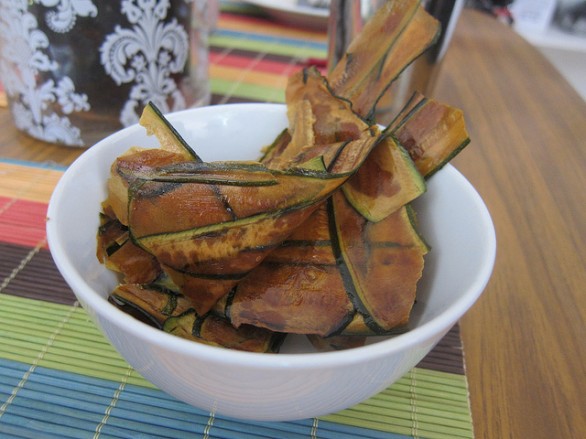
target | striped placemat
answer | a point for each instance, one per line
(60, 378)
(251, 57)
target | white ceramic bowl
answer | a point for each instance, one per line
(296, 383)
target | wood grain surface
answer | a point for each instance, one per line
(525, 339)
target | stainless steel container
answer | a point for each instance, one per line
(347, 18)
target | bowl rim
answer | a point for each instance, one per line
(101, 307)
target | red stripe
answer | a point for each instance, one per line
(274, 26)
(22, 222)
(244, 62)
(263, 65)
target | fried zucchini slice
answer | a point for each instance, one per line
(118, 253)
(166, 309)
(339, 266)
(432, 133)
(371, 63)
(169, 138)
(227, 216)
(151, 303)
(123, 173)
(386, 181)
(217, 331)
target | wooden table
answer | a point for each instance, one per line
(525, 339)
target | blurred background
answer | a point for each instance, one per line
(556, 28)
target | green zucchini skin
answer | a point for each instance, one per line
(432, 133)
(215, 330)
(170, 311)
(387, 181)
(151, 302)
(417, 143)
(353, 267)
(153, 120)
(275, 149)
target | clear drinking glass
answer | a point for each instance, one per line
(75, 71)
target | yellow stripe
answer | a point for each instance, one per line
(27, 182)
(237, 75)
(271, 29)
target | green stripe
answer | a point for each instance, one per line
(423, 403)
(59, 337)
(300, 51)
(254, 92)
(239, 8)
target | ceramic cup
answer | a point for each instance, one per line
(75, 71)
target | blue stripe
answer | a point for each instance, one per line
(68, 405)
(332, 430)
(20, 430)
(42, 165)
(30, 424)
(227, 428)
(270, 39)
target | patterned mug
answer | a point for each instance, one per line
(75, 71)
